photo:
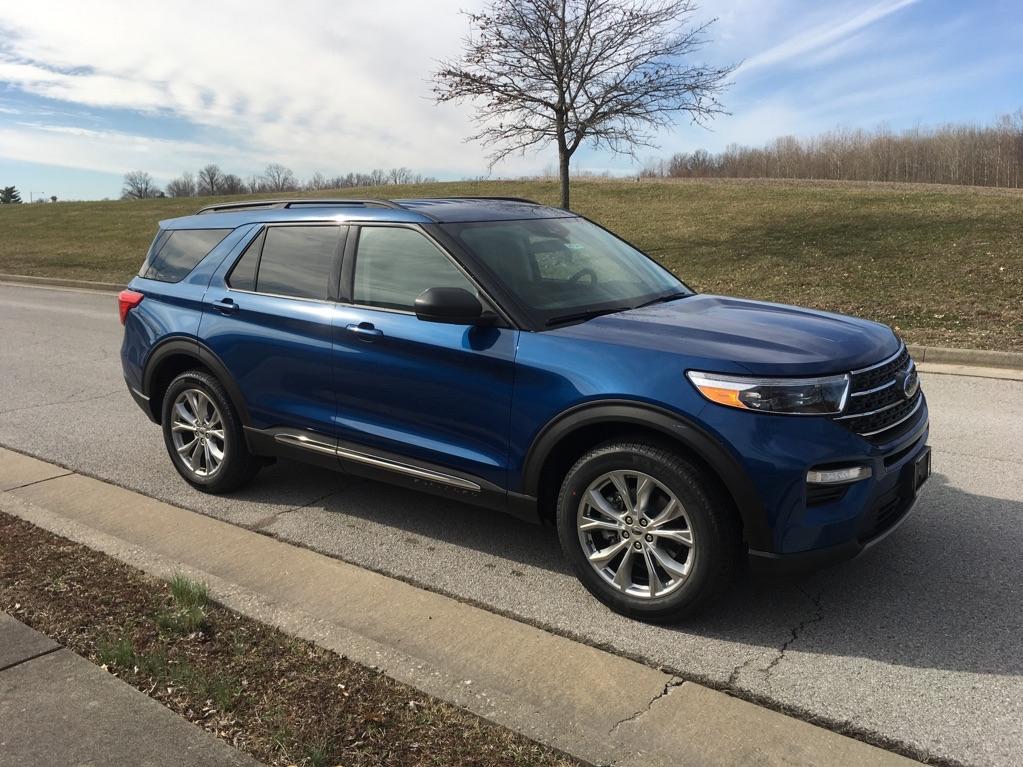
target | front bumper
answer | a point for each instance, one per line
(889, 508)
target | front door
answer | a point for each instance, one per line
(432, 393)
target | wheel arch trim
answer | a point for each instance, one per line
(677, 428)
(190, 347)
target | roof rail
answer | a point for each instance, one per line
(281, 204)
(466, 197)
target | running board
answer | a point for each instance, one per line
(346, 454)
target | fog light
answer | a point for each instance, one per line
(837, 476)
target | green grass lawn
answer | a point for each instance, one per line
(944, 265)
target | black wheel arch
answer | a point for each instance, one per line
(174, 356)
(619, 416)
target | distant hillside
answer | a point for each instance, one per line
(943, 264)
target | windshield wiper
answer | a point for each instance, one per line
(580, 316)
(662, 299)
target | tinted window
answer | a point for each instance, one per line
(243, 275)
(177, 253)
(297, 261)
(557, 267)
(395, 265)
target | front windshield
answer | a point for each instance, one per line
(563, 268)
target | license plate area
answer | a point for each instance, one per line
(921, 469)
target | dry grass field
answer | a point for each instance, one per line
(942, 264)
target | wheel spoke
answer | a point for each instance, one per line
(215, 434)
(598, 502)
(216, 452)
(653, 578)
(603, 556)
(207, 460)
(685, 537)
(187, 447)
(644, 489)
(671, 511)
(598, 524)
(673, 568)
(179, 426)
(623, 575)
(183, 413)
(622, 486)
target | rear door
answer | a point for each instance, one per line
(268, 317)
(435, 394)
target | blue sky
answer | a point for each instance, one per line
(89, 91)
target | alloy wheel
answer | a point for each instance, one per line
(197, 429)
(636, 534)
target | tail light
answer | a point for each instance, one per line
(126, 301)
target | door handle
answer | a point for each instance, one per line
(225, 306)
(364, 330)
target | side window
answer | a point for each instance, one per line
(177, 253)
(394, 265)
(293, 261)
(243, 274)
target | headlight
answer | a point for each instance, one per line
(800, 396)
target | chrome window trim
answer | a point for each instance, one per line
(494, 305)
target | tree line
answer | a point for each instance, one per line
(9, 195)
(211, 181)
(990, 155)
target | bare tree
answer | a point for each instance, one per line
(278, 178)
(232, 184)
(610, 72)
(183, 186)
(210, 180)
(138, 185)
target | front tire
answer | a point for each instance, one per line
(204, 436)
(646, 532)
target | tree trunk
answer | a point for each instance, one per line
(563, 160)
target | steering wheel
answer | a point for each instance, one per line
(587, 272)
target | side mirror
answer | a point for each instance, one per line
(455, 306)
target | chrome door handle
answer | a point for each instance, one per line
(365, 330)
(225, 306)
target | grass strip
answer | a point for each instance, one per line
(283, 700)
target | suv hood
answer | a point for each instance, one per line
(763, 338)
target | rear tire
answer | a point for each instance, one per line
(204, 435)
(627, 508)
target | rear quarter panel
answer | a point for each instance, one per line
(170, 310)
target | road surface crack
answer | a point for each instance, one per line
(66, 401)
(796, 632)
(261, 524)
(668, 686)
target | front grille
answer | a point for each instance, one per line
(878, 408)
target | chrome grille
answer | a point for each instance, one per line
(878, 408)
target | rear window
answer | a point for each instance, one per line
(176, 252)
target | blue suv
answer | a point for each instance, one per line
(525, 359)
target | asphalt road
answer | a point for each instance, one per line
(919, 642)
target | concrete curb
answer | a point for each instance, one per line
(595, 705)
(973, 357)
(60, 282)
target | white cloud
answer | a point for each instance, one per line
(316, 84)
(820, 37)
